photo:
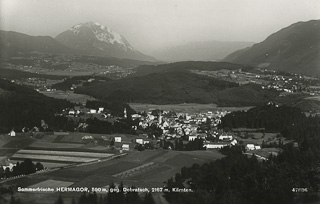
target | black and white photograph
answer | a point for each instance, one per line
(159, 101)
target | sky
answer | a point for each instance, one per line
(150, 25)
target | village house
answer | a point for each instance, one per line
(5, 163)
(225, 137)
(257, 147)
(250, 147)
(93, 111)
(117, 139)
(100, 110)
(192, 137)
(12, 133)
(125, 147)
(139, 141)
(216, 145)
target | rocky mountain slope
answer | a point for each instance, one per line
(95, 39)
(293, 49)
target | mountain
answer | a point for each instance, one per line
(96, 39)
(200, 51)
(293, 49)
(187, 66)
(12, 43)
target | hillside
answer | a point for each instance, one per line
(24, 107)
(13, 43)
(293, 49)
(178, 87)
(187, 65)
(199, 51)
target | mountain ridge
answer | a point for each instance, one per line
(295, 48)
(12, 42)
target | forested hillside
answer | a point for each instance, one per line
(178, 87)
(23, 107)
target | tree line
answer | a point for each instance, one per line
(24, 168)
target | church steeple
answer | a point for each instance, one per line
(125, 113)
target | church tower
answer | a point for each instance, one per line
(125, 113)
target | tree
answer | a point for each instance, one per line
(120, 197)
(27, 167)
(39, 166)
(112, 196)
(73, 201)
(59, 201)
(1, 172)
(133, 197)
(148, 199)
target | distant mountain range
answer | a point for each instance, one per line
(12, 43)
(292, 49)
(200, 51)
(90, 39)
(95, 39)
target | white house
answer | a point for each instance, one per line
(87, 137)
(12, 133)
(250, 147)
(135, 116)
(93, 111)
(117, 139)
(225, 137)
(215, 145)
(126, 147)
(234, 142)
(192, 137)
(100, 110)
(10, 166)
(139, 141)
(257, 147)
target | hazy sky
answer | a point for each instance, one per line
(153, 24)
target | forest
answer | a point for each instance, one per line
(78, 81)
(23, 107)
(24, 168)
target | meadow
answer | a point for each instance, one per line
(185, 107)
(150, 169)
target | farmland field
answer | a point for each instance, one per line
(165, 164)
(52, 184)
(54, 158)
(48, 165)
(41, 144)
(185, 107)
(10, 145)
(64, 153)
(69, 95)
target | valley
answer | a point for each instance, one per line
(86, 111)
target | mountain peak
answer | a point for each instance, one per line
(102, 33)
(96, 39)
